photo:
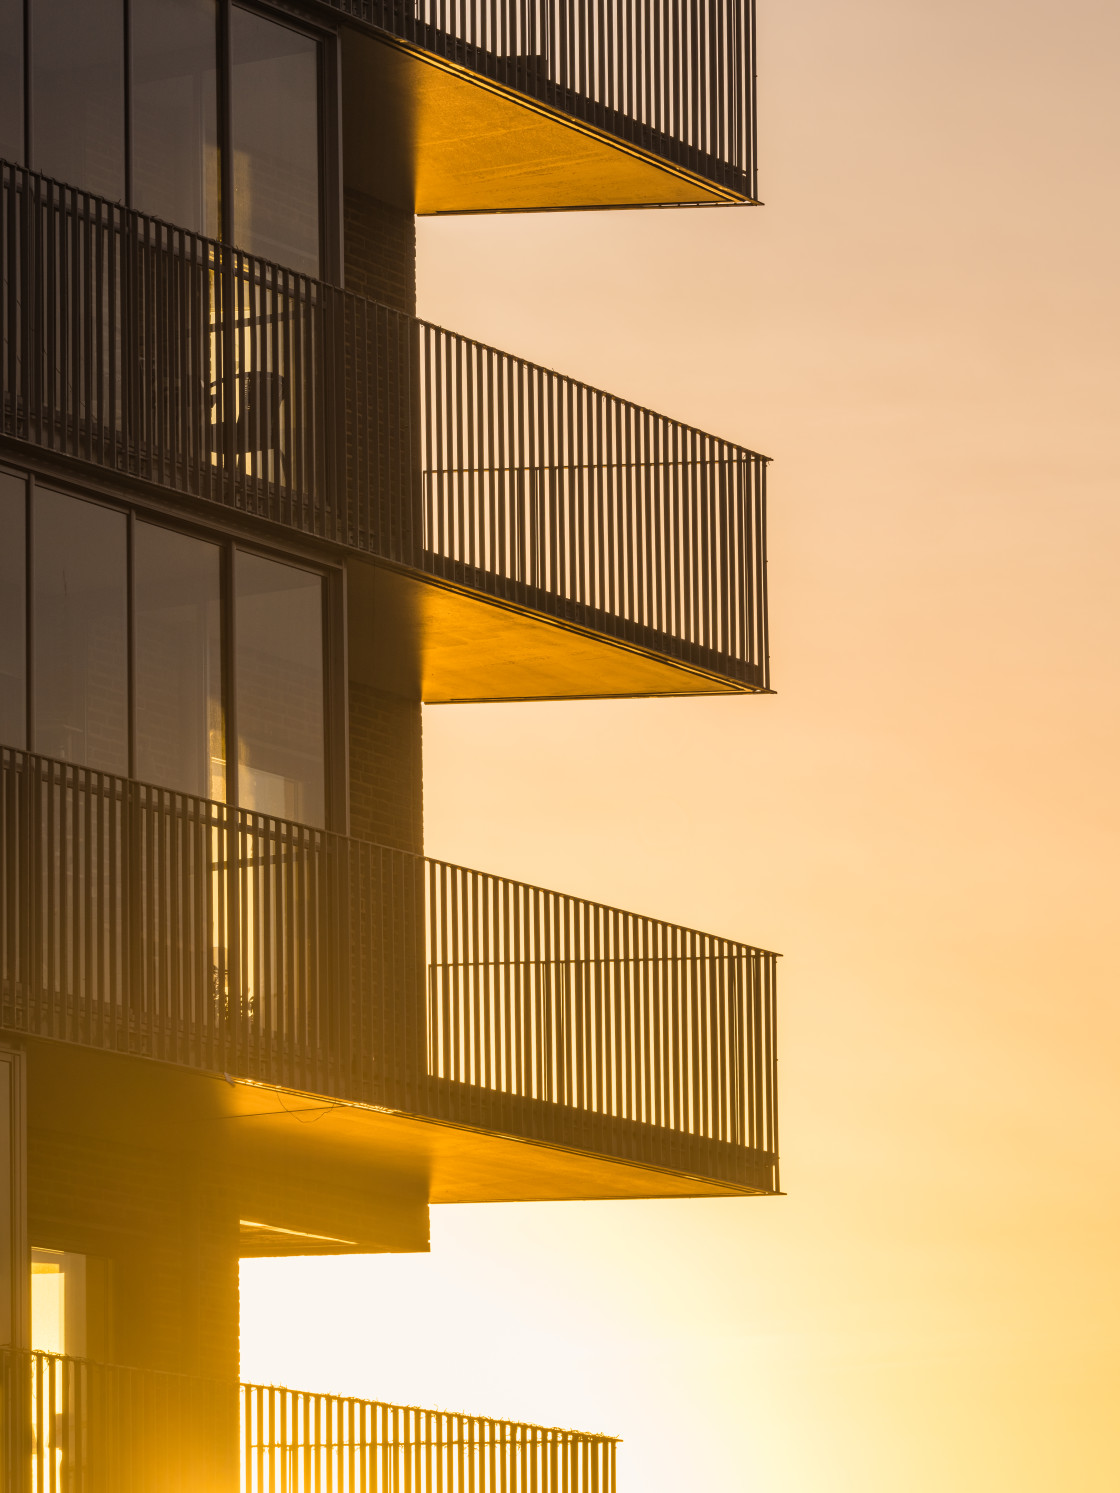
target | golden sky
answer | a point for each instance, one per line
(921, 328)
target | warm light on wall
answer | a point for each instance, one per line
(48, 1301)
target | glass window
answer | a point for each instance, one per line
(80, 648)
(69, 1303)
(48, 1301)
(13, 611)
(275, 113)
(11, 80)
(175, 111)
(177, 600)
(77, 93)
(278, 632)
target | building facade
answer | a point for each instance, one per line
(253, 514)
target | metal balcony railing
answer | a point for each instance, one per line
(137, 920)
(72, 1426)
(675, 78)
(154, 353)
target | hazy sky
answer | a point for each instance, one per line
(921, 328)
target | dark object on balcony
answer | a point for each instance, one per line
(258, 429)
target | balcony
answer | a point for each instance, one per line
(66, 1423)
(490, 106)
(450, 1017)
(519, 534)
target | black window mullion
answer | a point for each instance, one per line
(229, 684)
(225, 125)
(27, 120)
(126, 20)
(130, 635)
(29, 614)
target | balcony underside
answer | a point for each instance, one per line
(437, 137)
(318, 1176)
(442, 644)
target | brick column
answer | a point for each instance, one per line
(15, 1260)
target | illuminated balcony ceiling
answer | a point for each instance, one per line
(391, 1165)
(438, 137)
(444, 644)
(439, 1161)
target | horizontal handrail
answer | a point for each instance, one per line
(137, 920)
(175, 360)
(71, 1423)
(675, 78)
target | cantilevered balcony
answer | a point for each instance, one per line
(453, 1015)
(66, 1423)
(521, 534)
(514, 105)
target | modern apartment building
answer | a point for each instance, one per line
(253, 514)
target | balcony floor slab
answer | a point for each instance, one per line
(340, 1177)
(438, 138)
(451, 645)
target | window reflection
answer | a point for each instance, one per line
(175, 111)
(75, 71)
(13, 612)
(177, 594)
(274, 107)
(77, 93)
(70, 1303)
(48, 1301)
(11, 80)
(80, 637)
(278, 631)
(80, 649)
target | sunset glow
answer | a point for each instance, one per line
(921, 326)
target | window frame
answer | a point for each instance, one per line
(228, 541)
(328, 42)
(329, 122)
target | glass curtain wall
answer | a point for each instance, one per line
(175, 111)
(151, 664)
(275, 126)
(78, 116)
(279, 683)
(77, 93)
(13, 612)
(80, 638)
(178, 697)
(11, 80)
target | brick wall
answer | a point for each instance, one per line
(386, 769)
(168, 1227)
(380, 250)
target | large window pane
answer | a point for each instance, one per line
(11, 80)
(13, 611)
(175, 112)
(274, 99)
(79, 669)
(177, 600)
(279, 680)
(77, 93)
